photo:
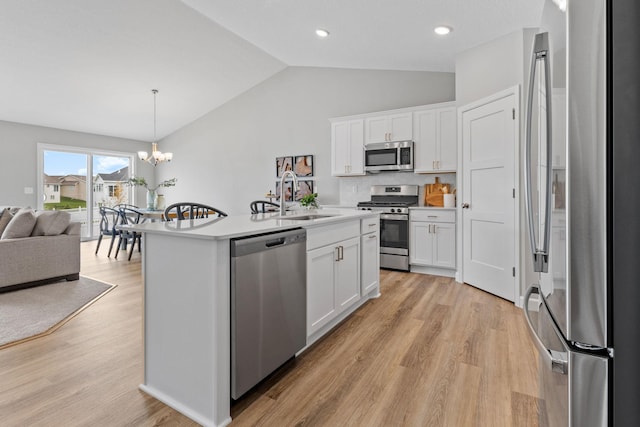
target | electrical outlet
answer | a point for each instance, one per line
(28, 190)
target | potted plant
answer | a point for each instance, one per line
(151, 191)
(310, 201)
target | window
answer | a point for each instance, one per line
(80, 180)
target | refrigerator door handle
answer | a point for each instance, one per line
(556, 360)
(540, 256)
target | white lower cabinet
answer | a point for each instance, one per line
(370, 248)
(321, 290)
(432, 239)
(342, 271)
(333, 272)
(348, 273)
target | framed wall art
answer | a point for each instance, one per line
(306, 187)
(288, 191)
(303, 165)
(283, 164)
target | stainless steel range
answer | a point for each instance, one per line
(393, 202)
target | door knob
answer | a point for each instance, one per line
(465, 206)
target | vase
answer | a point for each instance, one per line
(160, 202)
(151, 200)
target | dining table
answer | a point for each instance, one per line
(152, 215)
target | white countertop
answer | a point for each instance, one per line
(243, 225)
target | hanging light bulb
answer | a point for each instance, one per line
(156, 155)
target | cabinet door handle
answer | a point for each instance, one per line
(336, 252)
(438, 163)
(435, 229)
(465, 206)
(341, 252)
(433, 164)
(429, 228)
(373, 236)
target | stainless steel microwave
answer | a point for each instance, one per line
(388, 156)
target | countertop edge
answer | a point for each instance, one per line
(244, 225)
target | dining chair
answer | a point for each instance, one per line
(262, 206)
(109, 219)
(125, 205)
(129, 216)
(190, 210)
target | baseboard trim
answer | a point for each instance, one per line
(184, 410)
(435, 271)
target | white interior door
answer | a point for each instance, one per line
(489, 138)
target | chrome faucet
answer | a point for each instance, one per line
(296, 187)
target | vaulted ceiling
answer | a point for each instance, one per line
(90, 65)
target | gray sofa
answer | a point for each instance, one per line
(40, 259)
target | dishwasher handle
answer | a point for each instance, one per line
(274, 242)
(252, 244)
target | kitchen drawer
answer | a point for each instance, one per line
(318, 237)
(432, 215)
(369, 225)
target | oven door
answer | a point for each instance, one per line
(394, 241)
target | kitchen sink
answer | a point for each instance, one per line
(303, 217)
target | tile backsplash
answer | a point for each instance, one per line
(357, 188)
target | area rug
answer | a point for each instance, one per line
(33, 312)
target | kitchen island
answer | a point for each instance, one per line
(186, 270)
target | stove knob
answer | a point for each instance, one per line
(393, 210)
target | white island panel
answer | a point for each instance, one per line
(186, 268)
(186, 326)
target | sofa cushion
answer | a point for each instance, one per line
(51, 223)
(4, 219)
(21, 225)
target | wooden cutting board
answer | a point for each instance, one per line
(434, 193)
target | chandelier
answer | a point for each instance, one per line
(156, 155)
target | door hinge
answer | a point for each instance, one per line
(513, 271)
(514, 193)
(513, 113)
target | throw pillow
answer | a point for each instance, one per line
(4, 219)
(51, 223)
(21, 225)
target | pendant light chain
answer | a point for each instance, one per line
(155, 102)
(156, 155)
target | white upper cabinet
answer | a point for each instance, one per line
(392, 127)
(434, 133)
(347, 150)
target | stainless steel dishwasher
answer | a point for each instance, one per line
(268, 305)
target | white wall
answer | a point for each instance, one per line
(485, 70)
(227, 157)
(18, 161)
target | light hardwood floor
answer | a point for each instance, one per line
(429, 352)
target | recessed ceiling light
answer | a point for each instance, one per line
(442, 30)
(321, 32)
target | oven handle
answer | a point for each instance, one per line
(395, 217)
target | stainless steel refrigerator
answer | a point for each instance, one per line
(582, 181)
